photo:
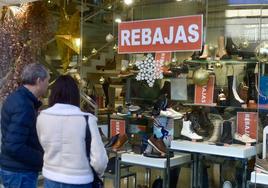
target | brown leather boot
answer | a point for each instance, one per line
(122, 140)
(158, 144)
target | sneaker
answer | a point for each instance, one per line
(171, 113)
(176, 114)
(157, 144)
(133, 108)
(244, 139)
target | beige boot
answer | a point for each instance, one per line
(217, 123)
(205, 52)
(221, 51)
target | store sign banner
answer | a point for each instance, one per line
(204, 94)
(117, 127)
(246, 124)
(183, 33)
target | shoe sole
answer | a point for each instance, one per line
(187, 138)
(260, 169)
(162, 153)
(243, 143)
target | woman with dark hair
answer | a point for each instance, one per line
(62, 132)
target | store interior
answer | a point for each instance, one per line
(155, 125)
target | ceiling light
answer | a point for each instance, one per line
(178, 0)
(128, 2)
(118, 20)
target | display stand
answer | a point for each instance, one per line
(259, 178)
(234, 151)
(158, 163)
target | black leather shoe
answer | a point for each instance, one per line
(112, 141)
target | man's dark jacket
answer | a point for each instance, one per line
(20, 149)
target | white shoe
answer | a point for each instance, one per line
(188, 133)
(178, 115)
(244, 138)
(133, 108)
(170, 114)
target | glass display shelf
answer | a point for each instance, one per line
(225, 61)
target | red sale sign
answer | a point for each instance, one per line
(204, 94)
(183, 33)
(246, 124)
(163, 57)
(117, 127)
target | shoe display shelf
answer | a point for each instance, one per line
(198, 149)
(258, 178)
(149, 163)
(126, 173)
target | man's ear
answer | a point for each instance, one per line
(38, 80)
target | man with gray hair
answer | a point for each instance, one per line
(21, 155)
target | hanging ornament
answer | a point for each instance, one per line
(109, 37)
(261, 52)
(94, 51)
(115, 47)
(150, 70)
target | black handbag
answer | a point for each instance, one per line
(97, 182)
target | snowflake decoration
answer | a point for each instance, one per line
(150, 70)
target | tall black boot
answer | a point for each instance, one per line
(231, 47)
(252, 93)
(226, 136)
(232, 101)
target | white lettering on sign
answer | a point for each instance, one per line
(125, 34)
(169, 40)
(135, 37)
(145, 36)
(204, 94)
(158, 36)
(194, 35)
(117, 127)
(247, 124)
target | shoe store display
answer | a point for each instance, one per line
(133, 108)
(231, 47)
(262, 164)
(188, 133)
(205, 52)
(233, 97)
(221, 51)
(112, 141)
(121, 141)
(193, 117)
(157, 144)
(169, 112)
(216, 134)
(226, 136)
(243, 139)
